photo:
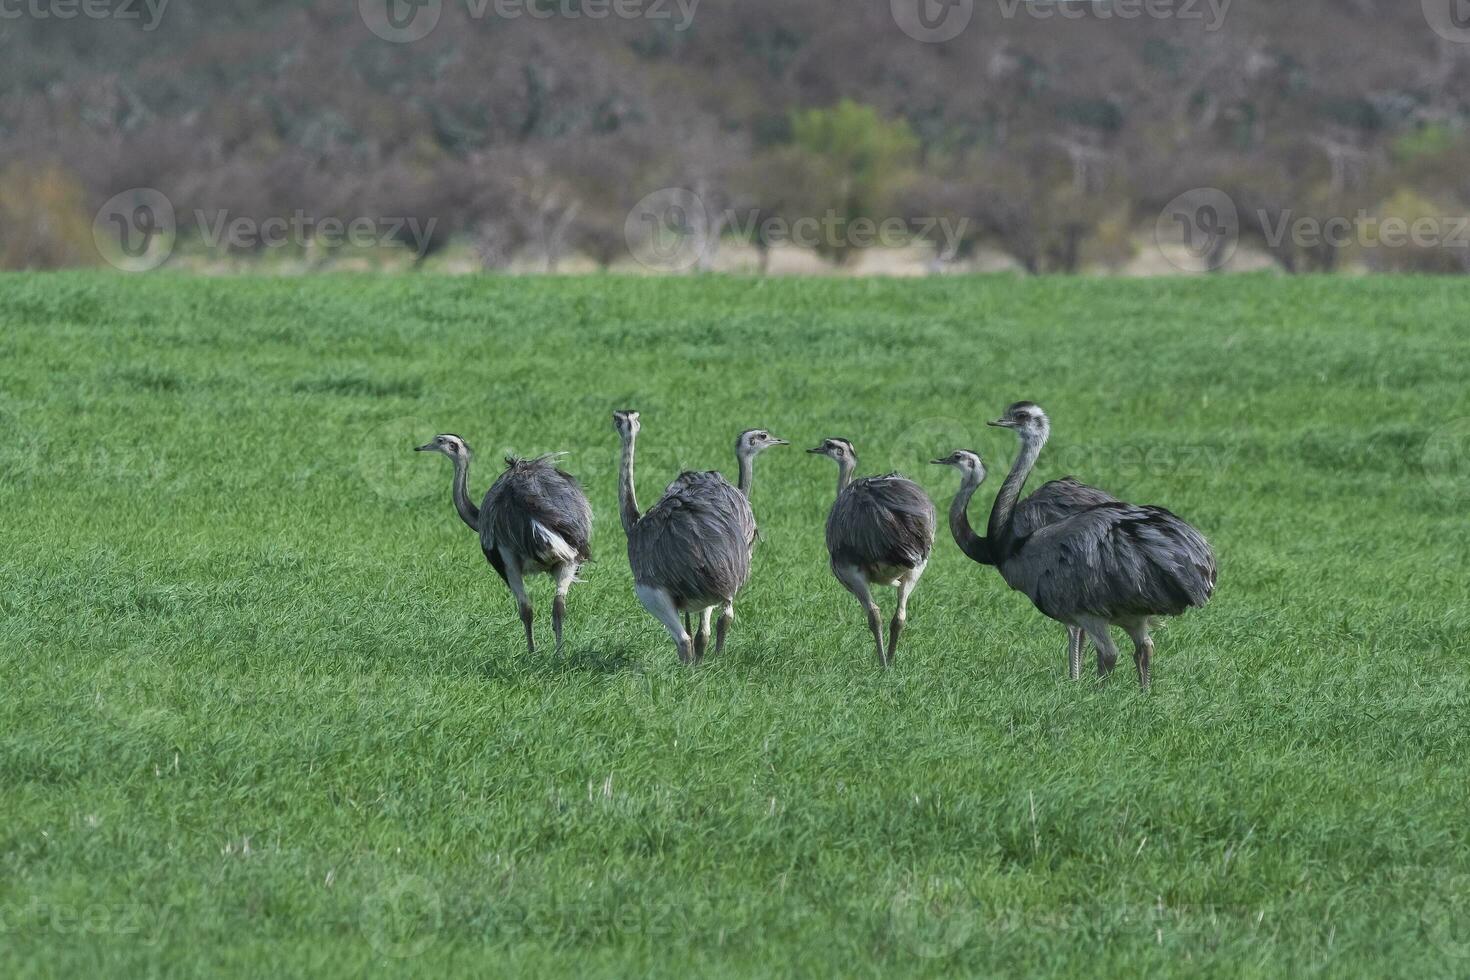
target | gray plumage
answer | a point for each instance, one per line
(1055, 501)
(881, 522)
(1114, 561)
(691, 552)
(1108, 564)
(880, 531)
(695, 542)
(539, 513)
(534, 519)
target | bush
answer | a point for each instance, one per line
(43, 219)
(1411, 233)
(857, 158)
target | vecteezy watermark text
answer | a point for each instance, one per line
(832, 230)
(219, 228)
(148, 12)
(1200, 230)
(671, 230)
(146, 924)
(680, 11)
(937, 21)
(404, 21)
(1363, 229)
(1211, 12)
(137, 230)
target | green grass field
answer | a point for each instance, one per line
(267, 710)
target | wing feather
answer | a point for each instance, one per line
(881, 521)
(1115, 560)
(1053, 502)
(539, 511)
(695, 542)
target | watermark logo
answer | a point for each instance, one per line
(926, 440)
(932, 21)
(23, 451)
(1450, 19)
(668, 230)
(389, 467)
(400, 21)
(135, 230)
(1446, 458)
(1445, 919)
(1199, 230)
(402, 919)
(932, 918)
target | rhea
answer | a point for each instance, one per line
(1055, 501)
(534, 519)
(1112, 564)
(880, 531)
(691, 551)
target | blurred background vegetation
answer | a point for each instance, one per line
(528, 139)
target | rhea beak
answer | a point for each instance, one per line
(817, 450)
(1003, 423)
(425, 448)
(939, 462)
(779, 442)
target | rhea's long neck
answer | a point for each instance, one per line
(845, 468)
(976, 547)
(468, 512)
(627, 498)
(747, 471)
(999, 528)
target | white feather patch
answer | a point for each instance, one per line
(552, 548)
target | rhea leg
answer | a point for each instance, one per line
(1107, 652)
(1143, 649)
(901, 615)
(1076, 641)
(565, 575)
(661, 606)
(727, 616)
(852, 577)
(701, 639)
(523, 599)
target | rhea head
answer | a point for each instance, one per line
(836, 449)
(449, 444)
(753, 442)
(1027, 418)
(969, 463)
(626, 422)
